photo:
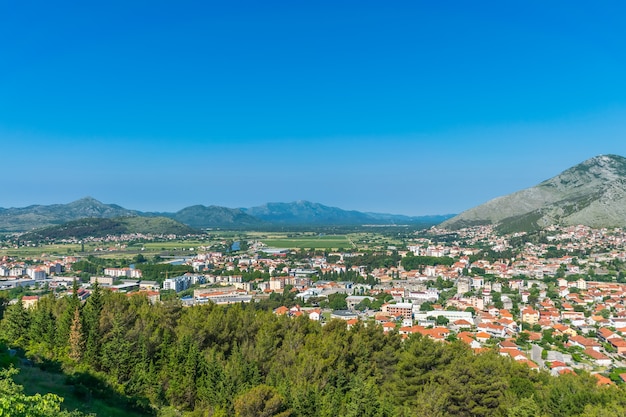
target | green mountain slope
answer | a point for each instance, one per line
(32, 217)
(96, 227)
(214, 216)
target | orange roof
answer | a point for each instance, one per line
(530, 363)
(508, 344)
(602, 380)
(281, 310)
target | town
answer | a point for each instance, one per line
(554, 300)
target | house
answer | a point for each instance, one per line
(315, 314)
(483, 336)
(467, 338)
(558, 368)
(352, 322)
(599, 358)
(281, 311)
(619, 344)
(514, 354)
(388, 326)
(585, 343)
(563, 329)
(436, 333)
(603, 381)
(530, 316)
(30, 301)
(605, 334)
(508, 344)
(573, 316)
(493, 329)
(461, 324)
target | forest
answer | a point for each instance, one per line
(167, 360)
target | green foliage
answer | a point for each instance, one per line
(419, 262)
(100, 227)
(14, 328)
(243, 360)
(261, 401)
(14, 403)
(336, 301)
(159, 272)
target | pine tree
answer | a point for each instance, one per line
(76, 341)
(15, 324)
(91, 326)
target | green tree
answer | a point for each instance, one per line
(337, 301)
(91, 326)
(261, 401)
(363, 400)
(441, 321)
(476, 386)
(76, 341)
(527, 407)
(15, 325)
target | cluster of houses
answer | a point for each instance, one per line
(575, 323)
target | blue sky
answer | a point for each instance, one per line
(404, 107)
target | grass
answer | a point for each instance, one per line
(176, 244)
(49, 251)
(316, 242)
(296, 240)
(35, 381)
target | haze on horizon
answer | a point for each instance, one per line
(407, 108)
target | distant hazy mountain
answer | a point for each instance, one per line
(305, 212)
(308, 213)
(592, 193)
(101, 227)
(32, 217)
(300, 213)
(214, 216)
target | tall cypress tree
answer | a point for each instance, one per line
(76, 341)
(91, 326)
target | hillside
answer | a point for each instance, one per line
(214, 216)
(37, 216)
(308, 213)
(96, 227)
(592, 193)
(298, 213)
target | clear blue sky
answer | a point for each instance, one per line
(412, 107)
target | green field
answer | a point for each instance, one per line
(174, 245)
(43, 251)
(315, 242)
(296, 240)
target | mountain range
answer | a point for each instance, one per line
(299, 213)
(592, 193)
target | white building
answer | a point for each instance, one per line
(182, 282)
(122, 272)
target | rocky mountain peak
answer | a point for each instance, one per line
(592, 193)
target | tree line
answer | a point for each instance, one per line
(243, 360)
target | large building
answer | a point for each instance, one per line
(122, 272)
(404, 309)
(451, 315)
(182, 282)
